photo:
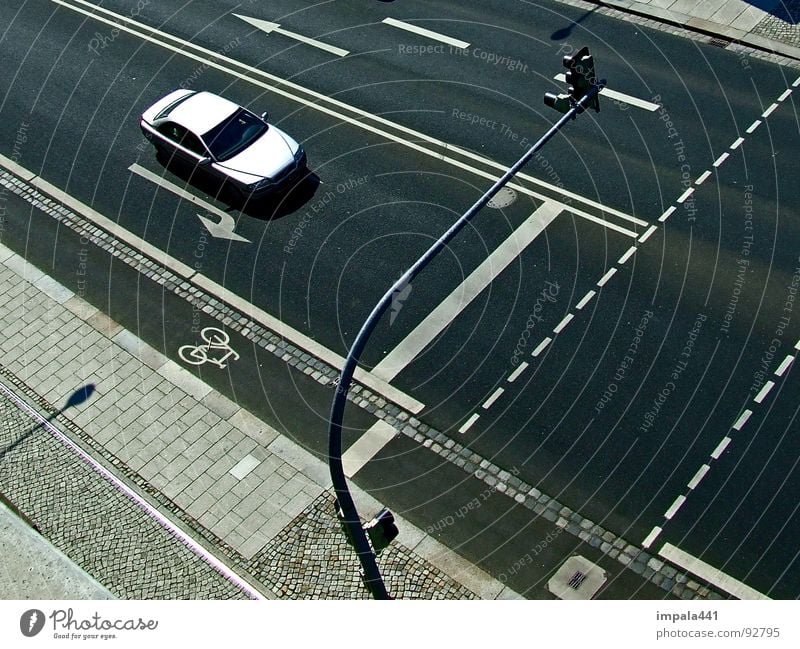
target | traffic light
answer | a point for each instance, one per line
(381, 530)
(580, 79)
(581, 76)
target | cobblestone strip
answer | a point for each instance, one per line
(638, 560)
(93, 523)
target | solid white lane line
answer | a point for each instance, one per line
(427, 33)
(666, 213)
(515, 374)
(468, 424)
(540, 347)
(721, 159)
(367, 446)
(619, 96)
(701, 472)
(753, 126)
(560, 326)
(686, 195)
(268, 27)
(674, 507)
(785, 94)
(742, 419)
(648, 541)
(782, 367)
(703, 177)
(177, 267)
(720, 447)
(602, 281)
(279, 86)
(307, 344)
(495, 396)
(737, 142)
(627, 255)
(764, 391)
(647, 233)
(709, 573)
(769, 110)
(585, 300)
(437, 320)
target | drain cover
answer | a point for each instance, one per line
(577, 578)
(503, 198)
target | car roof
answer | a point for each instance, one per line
(202, 111)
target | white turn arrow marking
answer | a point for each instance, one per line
(221, 230)
(268, 27)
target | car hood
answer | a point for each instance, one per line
(266, 157)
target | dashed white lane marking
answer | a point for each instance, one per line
(367, 446)
(721, 159)
(437, 320)
(540, 347)
(769, 110)
(619, 96)
(782, 367)
(764, 391)
(720, 447)
(709, 573)
(563, 323)
(606, 277)
(703, 177)
(785, 94)
(495, 396)
(468, 424)
(515, 374)
(674, 507)
(667, 213)
(686, 195)
(427, 33)
(701, 472)
(647, 234)
(651, 537)
(753, 126)
(796, 82)
(797, 345)
(585, 300)
(628, 253)
(742, 419)
(737, 142)
(268, 27)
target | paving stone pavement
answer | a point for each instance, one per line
(782, 25)
(233, 483)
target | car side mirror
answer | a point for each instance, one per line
(264, 115)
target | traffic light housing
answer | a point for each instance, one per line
(381, 530)
(581, 78)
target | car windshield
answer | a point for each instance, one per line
(234, 134)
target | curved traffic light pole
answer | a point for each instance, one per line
(349, 514)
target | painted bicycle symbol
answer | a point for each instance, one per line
(214, 339)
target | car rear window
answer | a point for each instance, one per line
(234, 134)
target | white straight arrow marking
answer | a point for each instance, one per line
(268, 27)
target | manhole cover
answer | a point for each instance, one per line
(503, 198)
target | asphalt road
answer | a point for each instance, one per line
(617, 412)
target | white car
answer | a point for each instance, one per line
(223, 139)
